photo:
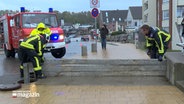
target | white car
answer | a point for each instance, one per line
(76, 39)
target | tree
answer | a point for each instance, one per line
(69, 17)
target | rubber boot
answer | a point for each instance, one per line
(21, 73)
(32, 74)
(40, 75)
(42, 60)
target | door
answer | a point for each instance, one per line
(16, 31)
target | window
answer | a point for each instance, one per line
(146, 6)
(32, 20)
(146, 18)
(119, 19)
(107, 20)
(165, 14)
(113, 19)
(106, 14)
(17, 21)
(165, 1)
(166, 29)
(135, 23)
(1, 27)
(180, 11)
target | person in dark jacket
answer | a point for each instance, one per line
(157, 41)
(31, 49)
(103, 33)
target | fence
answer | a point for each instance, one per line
(132, 37)
(123, 38)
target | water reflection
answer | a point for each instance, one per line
(8, 65)
(105, 53)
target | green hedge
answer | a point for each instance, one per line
(117, 33)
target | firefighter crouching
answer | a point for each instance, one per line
(31, 50)
(41, 29)
(157, 41)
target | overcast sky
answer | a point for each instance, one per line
(67, 5)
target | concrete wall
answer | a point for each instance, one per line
(104, 68)
(175, 67)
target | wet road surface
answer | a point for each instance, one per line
(90, 90)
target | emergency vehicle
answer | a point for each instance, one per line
(15, 27)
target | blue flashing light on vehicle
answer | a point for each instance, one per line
(54, 37)
(51, 10)
(22, 9)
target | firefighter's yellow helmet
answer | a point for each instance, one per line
(41, 25)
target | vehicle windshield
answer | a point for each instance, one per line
(32, 20)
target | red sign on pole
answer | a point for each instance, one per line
(94, 3)
(94, 12)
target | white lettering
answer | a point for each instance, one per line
(25, 94)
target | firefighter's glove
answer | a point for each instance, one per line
(160, 58)
(47, 37)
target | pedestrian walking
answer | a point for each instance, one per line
(103, 34)
(157, 41)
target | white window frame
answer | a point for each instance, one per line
(165, 15)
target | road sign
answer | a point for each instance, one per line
(94, 12)
(94, 3)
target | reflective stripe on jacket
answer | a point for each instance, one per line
(159, 37)
(33, 43)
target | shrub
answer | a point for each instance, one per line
(117, 33)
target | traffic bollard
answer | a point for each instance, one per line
(84, 50)
(26, 73)
(94, 47)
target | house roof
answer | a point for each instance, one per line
(136, 12)
(116, 14)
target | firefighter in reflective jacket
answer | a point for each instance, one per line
(31, 49)
(41, 29)
(156, 41)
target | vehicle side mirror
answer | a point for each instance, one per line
(12, 23)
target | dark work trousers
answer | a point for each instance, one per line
(154, 50)
(103, 42)
(42, 57)
(183, 31)
(29, 55)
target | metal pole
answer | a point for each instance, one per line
(95, 30)
(95, 25)
(96, 34)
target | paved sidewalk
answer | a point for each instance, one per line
(1, 51)
(98, 95)
(113, 51)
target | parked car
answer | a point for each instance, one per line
(85, 38)
(72, 35)
(67, 40)
(76, 39)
